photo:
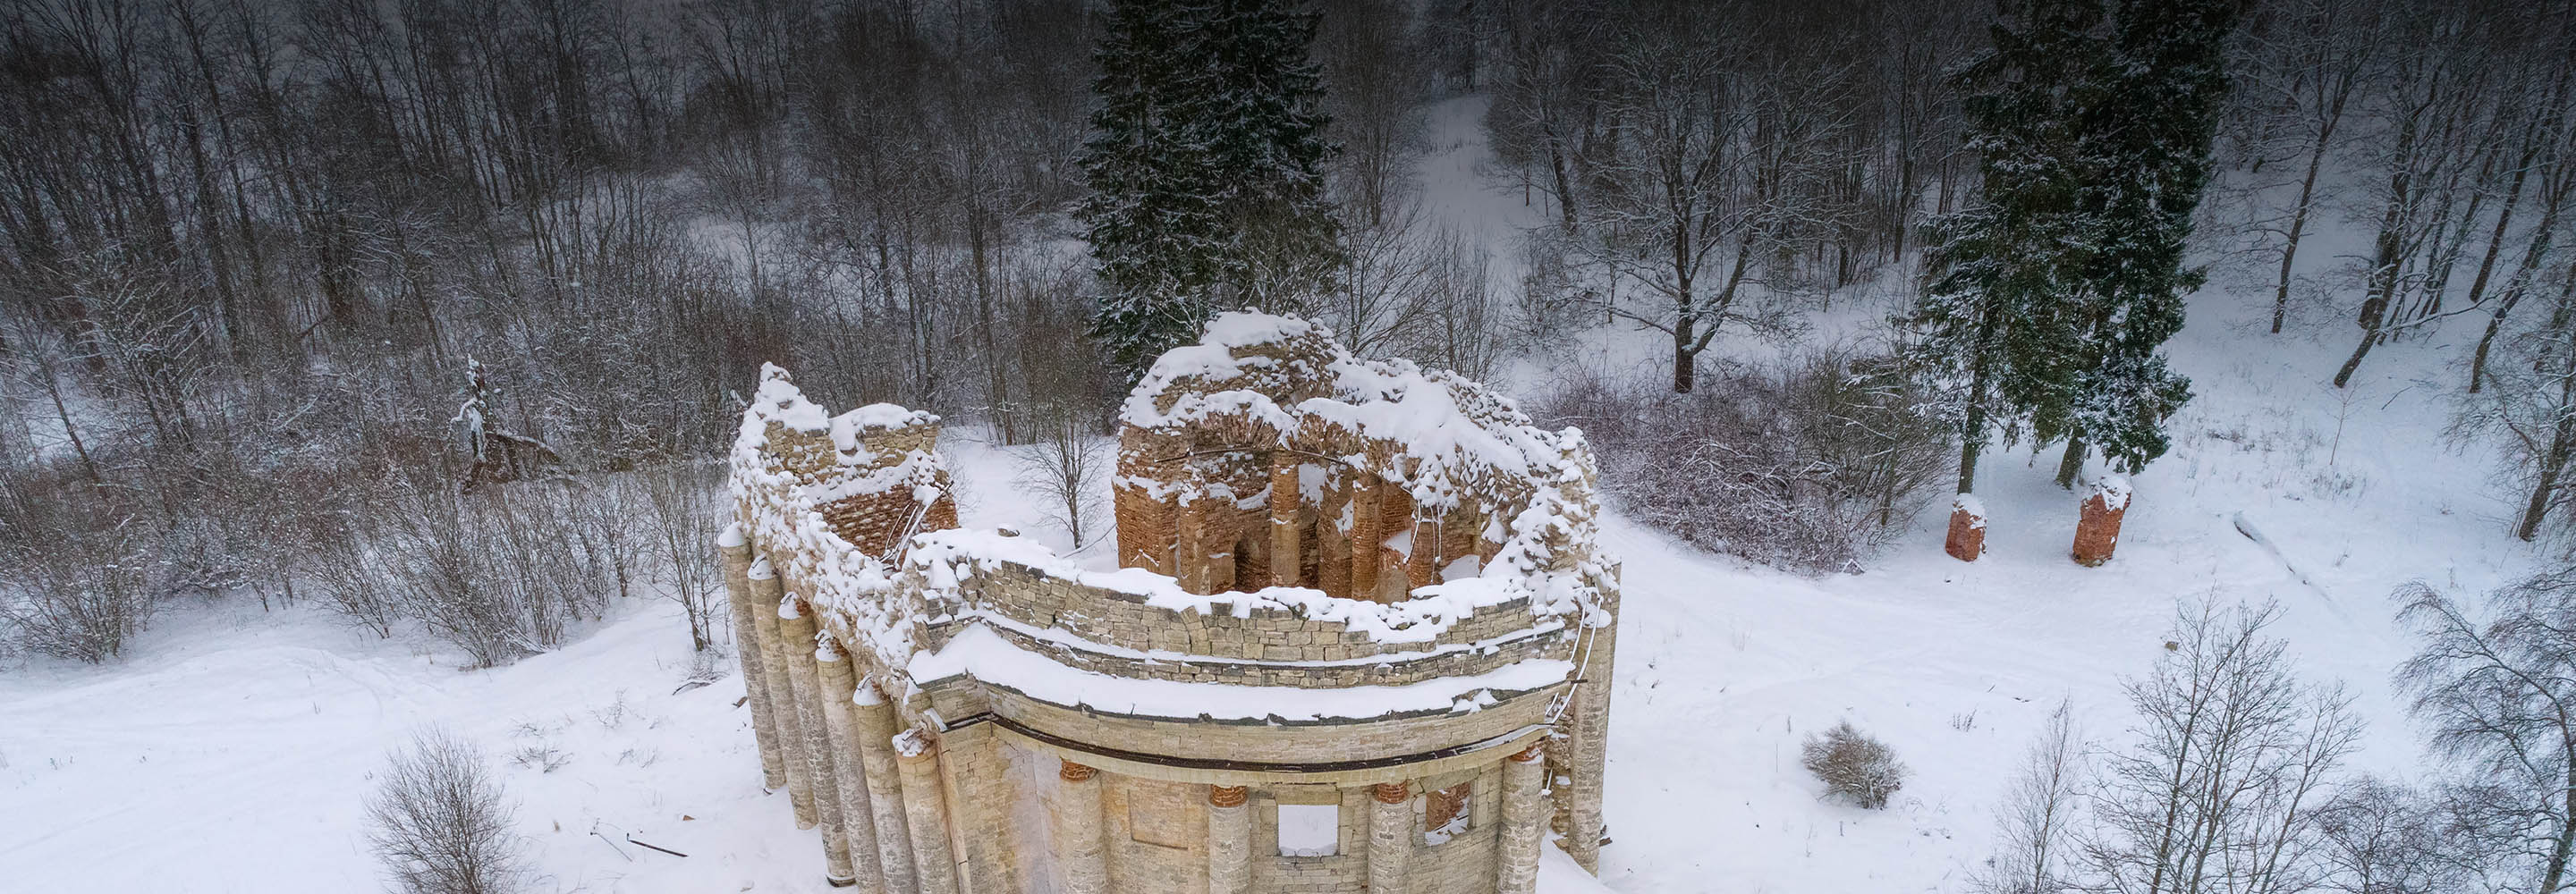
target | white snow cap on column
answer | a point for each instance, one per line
(1975, 508)
(2114, 490)
(732, 536)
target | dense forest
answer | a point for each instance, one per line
(418, 307)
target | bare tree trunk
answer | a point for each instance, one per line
(2298, 228)
(2562, 428)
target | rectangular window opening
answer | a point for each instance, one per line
(1310, 830)
(1445, 812)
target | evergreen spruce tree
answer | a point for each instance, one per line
(1263, 130)
(1151, 218)
(1206, 170)
(1993, 322)
(2146, 154)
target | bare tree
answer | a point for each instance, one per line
(2528, 410)
(687, 515)
(2381, 837)
(1065, 466)
(2232, 755)
(2038, 817)
(2499, 696)
(441, 822)
(2307, 59)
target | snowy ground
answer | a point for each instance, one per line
(231, 750)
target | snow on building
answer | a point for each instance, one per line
(1360, 640)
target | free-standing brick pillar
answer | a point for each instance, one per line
(1390, 836)
(849, 774)
(747, 649)
(2097, 529)
(1366, 537)
(796, 628)
(1229, 843)
(1284, 536)
(917, 758)
(766, 594)
(1967, 538)
(1516, 871)
(1073, 829)
(872, 720)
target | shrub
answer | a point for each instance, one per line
(79, 577)
(1854, 766)
(441, 824)
(1807, 466)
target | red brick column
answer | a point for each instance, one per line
(1284, 535)
(2097, 530)
(1967, 538)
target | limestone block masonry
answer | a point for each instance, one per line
(1355, 638)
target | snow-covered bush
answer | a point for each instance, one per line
(1854, 766)
(441, 822)
(1807, 466)
(78, 579)
(499, 572)
(687, 516)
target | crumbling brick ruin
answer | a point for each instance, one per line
(1359, 640)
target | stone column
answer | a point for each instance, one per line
(917, 757)
(747, 649)
(766, 594)
(1367, 538)
(1516, 856)
(796, 630)
(849, 773)
(872, 722)
(1081, 859)
(1590, 716)
(1284, 536)
(1229, 843)
(1390, 837)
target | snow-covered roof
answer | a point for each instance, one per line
(923, 616)
(1258, 377)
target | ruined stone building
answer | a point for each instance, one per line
(1358, 639)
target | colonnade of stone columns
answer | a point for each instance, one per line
(1080, 855)
(875, 794)
(830, 740)
(796, 629)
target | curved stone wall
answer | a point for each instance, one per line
(962, 712)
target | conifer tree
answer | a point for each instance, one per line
(1263, 130)
(1206, 170)
(1993, 321)
(2146, 154)
(1151, 218)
